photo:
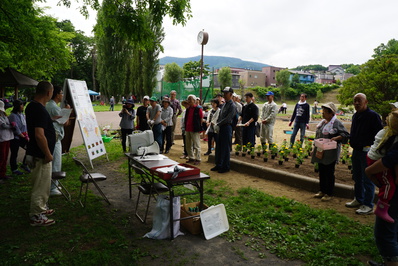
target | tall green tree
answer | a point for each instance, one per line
(114, 53)
(82, 48)
(192, 73)
(378, 79)
(283, 81)
(173, 73)
(31, 42)
(295, 80)
(129, 18)
(225, 77)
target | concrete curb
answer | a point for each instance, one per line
(286, 178)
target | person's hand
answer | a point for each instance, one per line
(13, 124)
(247, 124)
(290, 124)
(48, 158)
(264, 122)
(308, 127)
(27, 138)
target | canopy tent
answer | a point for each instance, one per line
(94, 93)
(9, 77)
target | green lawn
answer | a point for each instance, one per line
(95, 236)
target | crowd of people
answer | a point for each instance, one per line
(374, 147)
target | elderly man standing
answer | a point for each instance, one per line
(268, 115)
(224, 125)
(154, 119)
(193, 127)
(365, 125)
(177, 110)
(39, 153)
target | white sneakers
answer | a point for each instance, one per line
(364, 210)
(55, 192)
(353, 204)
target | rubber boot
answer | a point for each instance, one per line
(382, 211)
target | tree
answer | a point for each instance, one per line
(31, 42)
(283, 80)
(378, 79)
(351, 68)
(311, 67)
(173, 73)
(386, 49)
(82, 49)
(192, 73)
(129, 18)
(225, 77)
(295, 80)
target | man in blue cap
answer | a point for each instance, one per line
(268, 115)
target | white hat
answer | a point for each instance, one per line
(234, 94)
(394, 105)
(192, 95)
(146, 97)
(2, 106)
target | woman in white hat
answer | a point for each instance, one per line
(330, 128)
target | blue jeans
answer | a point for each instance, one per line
(296, 128)
(223, 147)
(157, 134)
(364, 188)
(386, 234)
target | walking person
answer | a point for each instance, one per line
(177, 110)
(301, 118)
(127, 122)
(211, 122)
(21, 137)
(329, 128)
(167, 124)
(193, 127)
(184, 153)
(224, 131)
(6, 135)
(112, 103)
(268, 118)
(39, 154)
(366, 123)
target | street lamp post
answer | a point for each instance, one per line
(203, 38)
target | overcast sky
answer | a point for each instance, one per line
(283, 33)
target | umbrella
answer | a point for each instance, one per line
(90, 92)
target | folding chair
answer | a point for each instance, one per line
(87, 178)
(57, 176)
(149, 188)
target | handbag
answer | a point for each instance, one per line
(319, 153)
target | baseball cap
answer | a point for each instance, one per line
(129, 101)
(228, 89)
(269, 93)
(146, 97)
(2, 106)
(166, 99)
(330, 106)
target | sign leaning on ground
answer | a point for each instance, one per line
(76, 91)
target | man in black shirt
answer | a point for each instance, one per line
(365, 125)
(39, 153)
(249, 119)
(142, 123)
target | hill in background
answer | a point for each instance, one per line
(215, 61)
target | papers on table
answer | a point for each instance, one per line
(150, 158)
(171, 169)
(65, 113)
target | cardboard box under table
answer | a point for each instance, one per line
(192, 224)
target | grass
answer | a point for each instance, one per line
(98, 236)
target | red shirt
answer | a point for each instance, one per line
(189, 126)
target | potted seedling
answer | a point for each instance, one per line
(252, 153)
(244, 150)
(265, 154)
(299, 160)
(281, 156)
(316, 167)
(349, 162)
(238, 148)
(259, 150)
(274, 151)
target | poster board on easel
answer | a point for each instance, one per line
(77, 92)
